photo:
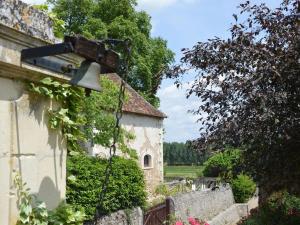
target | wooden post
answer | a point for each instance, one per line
(169, 210)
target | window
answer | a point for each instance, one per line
(147, 161)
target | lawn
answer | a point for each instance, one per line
(182, 171)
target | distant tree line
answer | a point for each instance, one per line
(181, 154)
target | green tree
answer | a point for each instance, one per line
(225, 165)
(100, 19)
(99, 113)
(181, 154)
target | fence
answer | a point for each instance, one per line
(158, 214)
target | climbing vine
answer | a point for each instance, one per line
(84, 118)
(68, 116)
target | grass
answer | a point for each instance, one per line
(183, 171)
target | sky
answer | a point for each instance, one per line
(183, 23)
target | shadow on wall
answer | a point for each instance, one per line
(48, 193)
(39, 107)
(11, 90)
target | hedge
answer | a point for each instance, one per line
(126, 187)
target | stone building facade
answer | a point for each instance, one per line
(145, 122)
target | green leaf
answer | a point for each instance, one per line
(63, 111)
(26, 209)
(46, 80)
(74, 153)
(72, 178)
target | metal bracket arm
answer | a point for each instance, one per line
(48, 50)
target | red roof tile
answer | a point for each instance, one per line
(136, 103)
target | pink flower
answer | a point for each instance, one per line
(193, 221)
(178, 223)
(206, 224)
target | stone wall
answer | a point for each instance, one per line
(230, 216)
(202, 204)
(122, 217)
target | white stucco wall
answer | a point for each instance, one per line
(28, 147)
(148, 133)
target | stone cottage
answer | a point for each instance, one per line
(145, 122)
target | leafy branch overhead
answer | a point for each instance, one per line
(249, 87)
(100, 112)
(150, 57)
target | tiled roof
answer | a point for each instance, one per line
(136, 103)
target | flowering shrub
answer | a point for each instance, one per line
(192, 221)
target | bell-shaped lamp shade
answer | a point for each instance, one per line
(87, 76)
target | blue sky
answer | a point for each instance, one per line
(183, 23)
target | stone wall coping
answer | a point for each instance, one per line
(25, 18)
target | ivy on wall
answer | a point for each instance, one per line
(84, 118)
(68, 116)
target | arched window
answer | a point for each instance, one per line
(147, 161)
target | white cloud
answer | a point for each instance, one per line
(180, 125)
(34, 2)
(159, 4)
(155, 4)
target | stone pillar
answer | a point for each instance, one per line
(27, 145)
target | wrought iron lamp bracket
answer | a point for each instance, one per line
(92, 51)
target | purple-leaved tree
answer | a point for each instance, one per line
(249, 86)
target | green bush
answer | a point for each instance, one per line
(222, 164)
(281, 208)
(65, 214)
(243, 188)
(126, 187)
